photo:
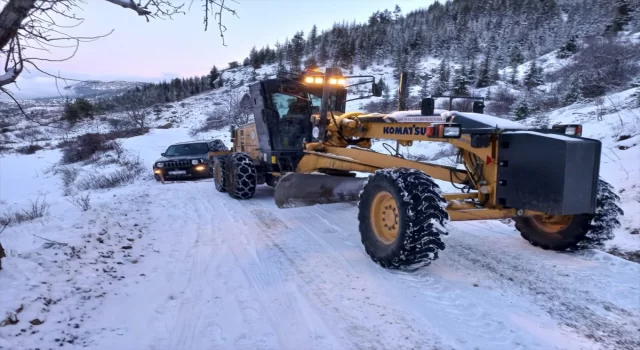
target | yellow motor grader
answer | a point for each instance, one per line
(312, 151)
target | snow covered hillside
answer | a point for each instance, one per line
(104, 257)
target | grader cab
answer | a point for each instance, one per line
(306, 145)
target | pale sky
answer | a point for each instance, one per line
(163, 49)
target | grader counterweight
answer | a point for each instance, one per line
(547, 180)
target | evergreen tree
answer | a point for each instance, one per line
(213, 75)
(460, 82)
(533, 76)
(472, 72)
(516, 57)
(522, 110)
(312, 40)
(256, 58)
(424, 87)
(310, 62)
(573, 94)
(234, 64)
(622, 17)
(444, 73)
(567, 50)
(397, 14)
(513, 77)
(323, 52)
(484, 78)
(296, 51)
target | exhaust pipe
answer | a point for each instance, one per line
(299, 190)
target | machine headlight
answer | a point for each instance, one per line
(570, 130)
(451, 131)
(308, 80)
(159, 165)
(194, 162)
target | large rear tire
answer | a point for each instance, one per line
(575, 232)
(242, 176)
(220, 173)
(402, 218)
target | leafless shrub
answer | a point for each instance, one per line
(501, 101)
(38, 209)
(85, 146)
(131, 169)
(82, 202)
(215, 120)
(28, 134)
(29, 149)
(68, 174)
(605, 64)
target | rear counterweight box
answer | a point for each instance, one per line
(551, 173)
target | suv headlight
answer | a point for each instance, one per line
(194, 162)
(159, 165)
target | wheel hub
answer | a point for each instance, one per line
(384, 217)
(552, 223)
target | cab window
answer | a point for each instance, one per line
(289, 106)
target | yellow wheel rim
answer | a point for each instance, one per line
(384, 217)
(552, 223)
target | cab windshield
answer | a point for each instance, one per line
(187, 149)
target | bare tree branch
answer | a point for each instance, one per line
(30, 25)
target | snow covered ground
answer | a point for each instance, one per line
(182, 266)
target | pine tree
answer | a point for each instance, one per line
(234, 64)
(485, 78)
(254, 57)
(623, 14)
(213, 75)
(567, 50)
(310, 62)
(397, 13)
(444, 73)
(533, 76)
(312, 40)
(472, 72)
(424, 87)
(573, 94)
(460, 82)
(515, 56)
(522, 110)
(323, 52)
(513, 77)
(296, 51)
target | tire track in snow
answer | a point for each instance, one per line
(574, 296)
(443, 305)
(193, 297)
(280, 299)
(351, 303)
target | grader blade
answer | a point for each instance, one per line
(300, 190)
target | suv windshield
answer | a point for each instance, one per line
(186, 149)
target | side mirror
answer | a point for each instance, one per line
(478, 107)
(375, 90)
(427, 106)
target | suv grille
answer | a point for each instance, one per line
(178, 164)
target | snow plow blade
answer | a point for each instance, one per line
(300, 190)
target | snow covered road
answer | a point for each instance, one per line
(217, 273)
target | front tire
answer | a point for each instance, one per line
(402, 218)
(575, 232)
(242, 176)
(220, 173)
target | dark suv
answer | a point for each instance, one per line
(187, 160)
